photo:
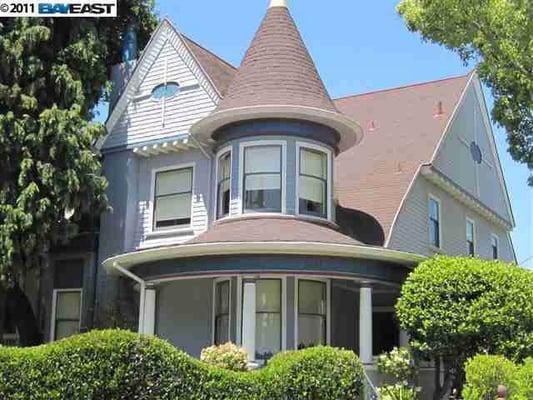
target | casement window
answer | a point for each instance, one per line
(470, 237)
(268, 318)
(262, 178)
(313, 183)
(312, 313)
(434, 222)
(222, 312)
(223, 186)
(66, 313)
(495, 244)
(172, 200)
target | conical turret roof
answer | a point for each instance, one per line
(278, 79)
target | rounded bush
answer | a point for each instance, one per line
(228, 356)
(116, 365)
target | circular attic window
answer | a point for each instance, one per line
(165, 90)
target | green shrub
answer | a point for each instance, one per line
(228, 356)
(484, 373)
(116, 365)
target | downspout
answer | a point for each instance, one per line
(142, 298)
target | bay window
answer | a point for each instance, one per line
(312, 313)
(262, 178)
(223, 187)
(313, 183)
(268, 318)
(172, 198)
(222, 312)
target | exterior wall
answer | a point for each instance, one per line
(411, 232)
(455, 160)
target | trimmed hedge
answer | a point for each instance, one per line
(484, 373)
(116, 364)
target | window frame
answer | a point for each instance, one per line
(53, 322)
(434, 198)
(496, 238)
(178, 228)
(283, 173)
(165, 84)
(470, 221)
(329, 179)
(296, 305)
(222, 152)
(216, 281)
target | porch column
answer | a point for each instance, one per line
(365, 324)
(150, 297)
(248, 319)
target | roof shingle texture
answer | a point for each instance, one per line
(277, 69)
(402, 131)
(272, 230)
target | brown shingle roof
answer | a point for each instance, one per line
(220, 71)
(402, 132)
(277, 69)
(272, 229)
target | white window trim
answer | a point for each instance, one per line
(283, 279)
(441, 239)
(297, 279)
(215, 282)
(258, 143)
(474, 234)
(54, 309)
(220, 153)
(168, 232)
(312, 146)
(497, 238)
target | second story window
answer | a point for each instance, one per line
(224, 182)
(470, 237)
(313, 183)
(495, 246)
(434, 222)
(173, 196)
(262, 179)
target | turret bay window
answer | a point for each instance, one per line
(223, 187)
(268, 318)
(222, 312)
(172, 199)
(262, 178)
(312, 313)
(313, 183)
(434, 222)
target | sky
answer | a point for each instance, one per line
(358, 46)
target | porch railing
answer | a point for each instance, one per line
(370, 392)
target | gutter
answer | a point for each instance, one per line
(142, 299)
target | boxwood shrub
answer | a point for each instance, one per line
(116, 364)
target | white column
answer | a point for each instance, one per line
(150, 297)
(365, 325)
(248, 319)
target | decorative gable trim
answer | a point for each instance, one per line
(173, 145)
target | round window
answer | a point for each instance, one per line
(165, 90)
(476, 152)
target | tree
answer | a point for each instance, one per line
(53, 71)
(454, 308)
(497, 35)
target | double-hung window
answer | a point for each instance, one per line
(67, 313)
(222, 311)
(434, 222)
(224, 182)
(262, 178)
(312, 313)
(313, 183)
(470, 237)
(173, 196)
(494, 246)
(267, 318)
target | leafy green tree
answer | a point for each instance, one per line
(498, 36)
(53, 71)
(454, 308)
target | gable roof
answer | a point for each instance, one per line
(403, 129)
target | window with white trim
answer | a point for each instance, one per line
(262, 178)
(67, 313)
(495, 244)
(434, 222)
(268, 318)
(313, 183)
(222, 312)
(223, 186)
(470, 237)
(312, 313)
(172, 198)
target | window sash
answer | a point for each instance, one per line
(434, 222)
(312, 316)
(470, 238)
(268, 316)
(262, 187)
(222, 312)
(176, 203)
(313, 183)
(72, 318)
(224, 185)
(495, 249)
